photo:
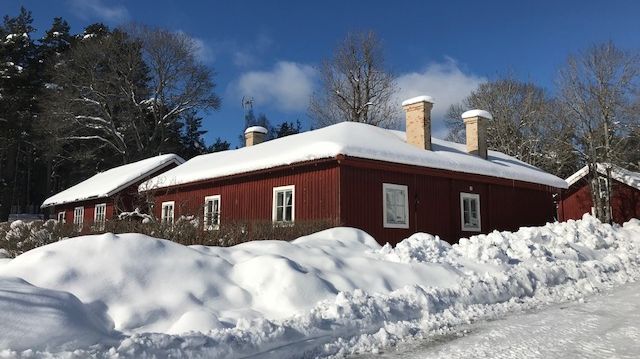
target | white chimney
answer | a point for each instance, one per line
(254, 135)
(418, 118)
(476, 123)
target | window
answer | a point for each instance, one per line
(284, 204)
(211, 213)
(78, 217)
(396, 205)
(167, 212)
(470, 212)
(61, 217)
(99, 216)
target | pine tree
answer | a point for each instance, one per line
(19, 86)
(286, 129)
(219, 145)
(192, 143)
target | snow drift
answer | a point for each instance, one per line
(331, 293)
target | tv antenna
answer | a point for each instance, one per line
(247, 103)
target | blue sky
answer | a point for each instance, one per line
(271, 50)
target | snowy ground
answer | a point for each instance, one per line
(334, 293)
(601, 326)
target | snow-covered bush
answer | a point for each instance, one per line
(20, 236)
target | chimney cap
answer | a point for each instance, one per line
(413, 100)
(477, 113)
(259, 129)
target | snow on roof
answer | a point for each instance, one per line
(107, 183)
(413, 100)
(618, 173)
(477, 113)
(256, 129)
(355, 140)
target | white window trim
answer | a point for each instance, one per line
(204, 218)
(465, 228)
(173, 212)
(62, 214)
(385, 222)
(78, 221)
(274, 212)
(99, 225)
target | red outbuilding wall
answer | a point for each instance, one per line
(576, 201)
(125, 200)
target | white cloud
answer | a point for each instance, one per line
(97, 9)
(444, 81)
(287, 86)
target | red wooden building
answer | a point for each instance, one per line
(388, 183)
(102, 197)
(625, 194)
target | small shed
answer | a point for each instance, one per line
(625, 193)
(103, 196)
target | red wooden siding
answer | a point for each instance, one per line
(249, 197)
(576, 201)
(89, 211)
(434, 200)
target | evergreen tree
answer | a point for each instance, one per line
(286, 129)
(19, 86)
(192, 143)
(219, 145)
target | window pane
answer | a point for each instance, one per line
(289, 196)
(279, 198)
(279, 214)
(395, 206)
(289, 211)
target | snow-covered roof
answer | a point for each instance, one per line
(108, 183)
(618, 173)
(354, 140)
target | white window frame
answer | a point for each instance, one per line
(385, 220)
(472, 196)
(163, 218)
(274, 209)
(213, 226)
(99, 222)
(78, 218)
(62, 220)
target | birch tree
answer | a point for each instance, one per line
(598, 93)
(355, 85)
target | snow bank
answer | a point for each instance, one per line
(37, 318)
(332, 293)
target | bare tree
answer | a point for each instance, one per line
(356, 86)
(597, 92)
(524, 124)
(127, 92)
(179, 83)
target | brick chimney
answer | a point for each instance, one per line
(254, 135)
(476, 124)
(418, 117)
